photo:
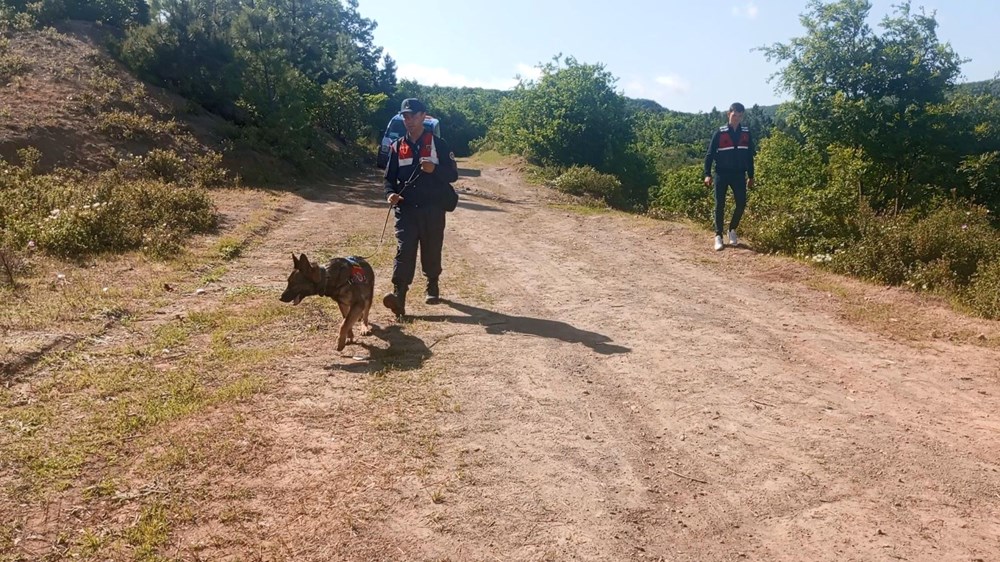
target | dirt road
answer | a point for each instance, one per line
(606, 387)
(596, 386)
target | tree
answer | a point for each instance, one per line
(571, 115)
(879, 93)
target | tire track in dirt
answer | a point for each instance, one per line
(620, 355)
(585, 372)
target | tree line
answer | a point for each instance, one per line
(293, 74)
(879, 166)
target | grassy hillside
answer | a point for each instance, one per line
(81, 109)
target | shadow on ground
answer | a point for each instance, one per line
(498, 324)
(362, 188)
(403, 353)
(464, 203)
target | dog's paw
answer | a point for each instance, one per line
(365, 330)
(341, 344)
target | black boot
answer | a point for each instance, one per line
(433, 294)
(396, 301)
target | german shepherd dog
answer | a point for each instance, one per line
(349, 281)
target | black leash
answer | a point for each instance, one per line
(381, 239)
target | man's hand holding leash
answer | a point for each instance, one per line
(426, 166)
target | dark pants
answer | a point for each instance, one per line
(423, 227)
(738, 182)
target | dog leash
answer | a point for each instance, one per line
(381, 239)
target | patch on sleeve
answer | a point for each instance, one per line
(451, 155)
(358, 274)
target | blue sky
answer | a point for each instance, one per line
(687, 55)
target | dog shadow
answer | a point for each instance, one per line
(497, 323)
(404, 352)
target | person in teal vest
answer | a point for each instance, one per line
(417, 183)
(732, 151)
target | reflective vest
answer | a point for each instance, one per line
(733, 158)
(427, 150)
(726, 140)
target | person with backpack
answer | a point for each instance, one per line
(417, 183)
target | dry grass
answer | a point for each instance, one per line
(902, 314)
(93, 420)
(130, 440)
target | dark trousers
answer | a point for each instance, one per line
(738, 183)
(421, 227)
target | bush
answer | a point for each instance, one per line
(68, 215)
(880, 253)
(11, 65)
(126, 125)
(941, 252)
(682, 192)
(586, 181)
(205, 170)
(983, 293)
(801, 205)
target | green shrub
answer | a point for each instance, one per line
(956, 237)
(126, 125)
(983, 293)
(801, 205)
(11, 65)
(586, 181)
(204, 170)
(69, 215)
(682, 192)
(164, 165)
(939, 252)
(208, 171)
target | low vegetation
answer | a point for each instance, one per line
(151, 204)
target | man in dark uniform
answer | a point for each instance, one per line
(732, 150)
(418, 183)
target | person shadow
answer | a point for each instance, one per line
(497, 323)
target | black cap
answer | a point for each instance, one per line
(412, 105)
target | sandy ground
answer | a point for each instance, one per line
(595, 386)
(623, 392)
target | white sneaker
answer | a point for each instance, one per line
(733, 239)
(718, 243)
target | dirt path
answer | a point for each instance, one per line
(605, 387)
(596, 386)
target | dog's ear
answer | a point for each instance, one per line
(303, 263)
(295, 261)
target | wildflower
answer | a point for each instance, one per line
(965, 227)
(31, 244)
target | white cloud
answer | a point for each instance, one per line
(528, 72)
(747, 11)
(635, 89)
(670, 90)
(440, 76)
(662, 86)
(674, 84)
